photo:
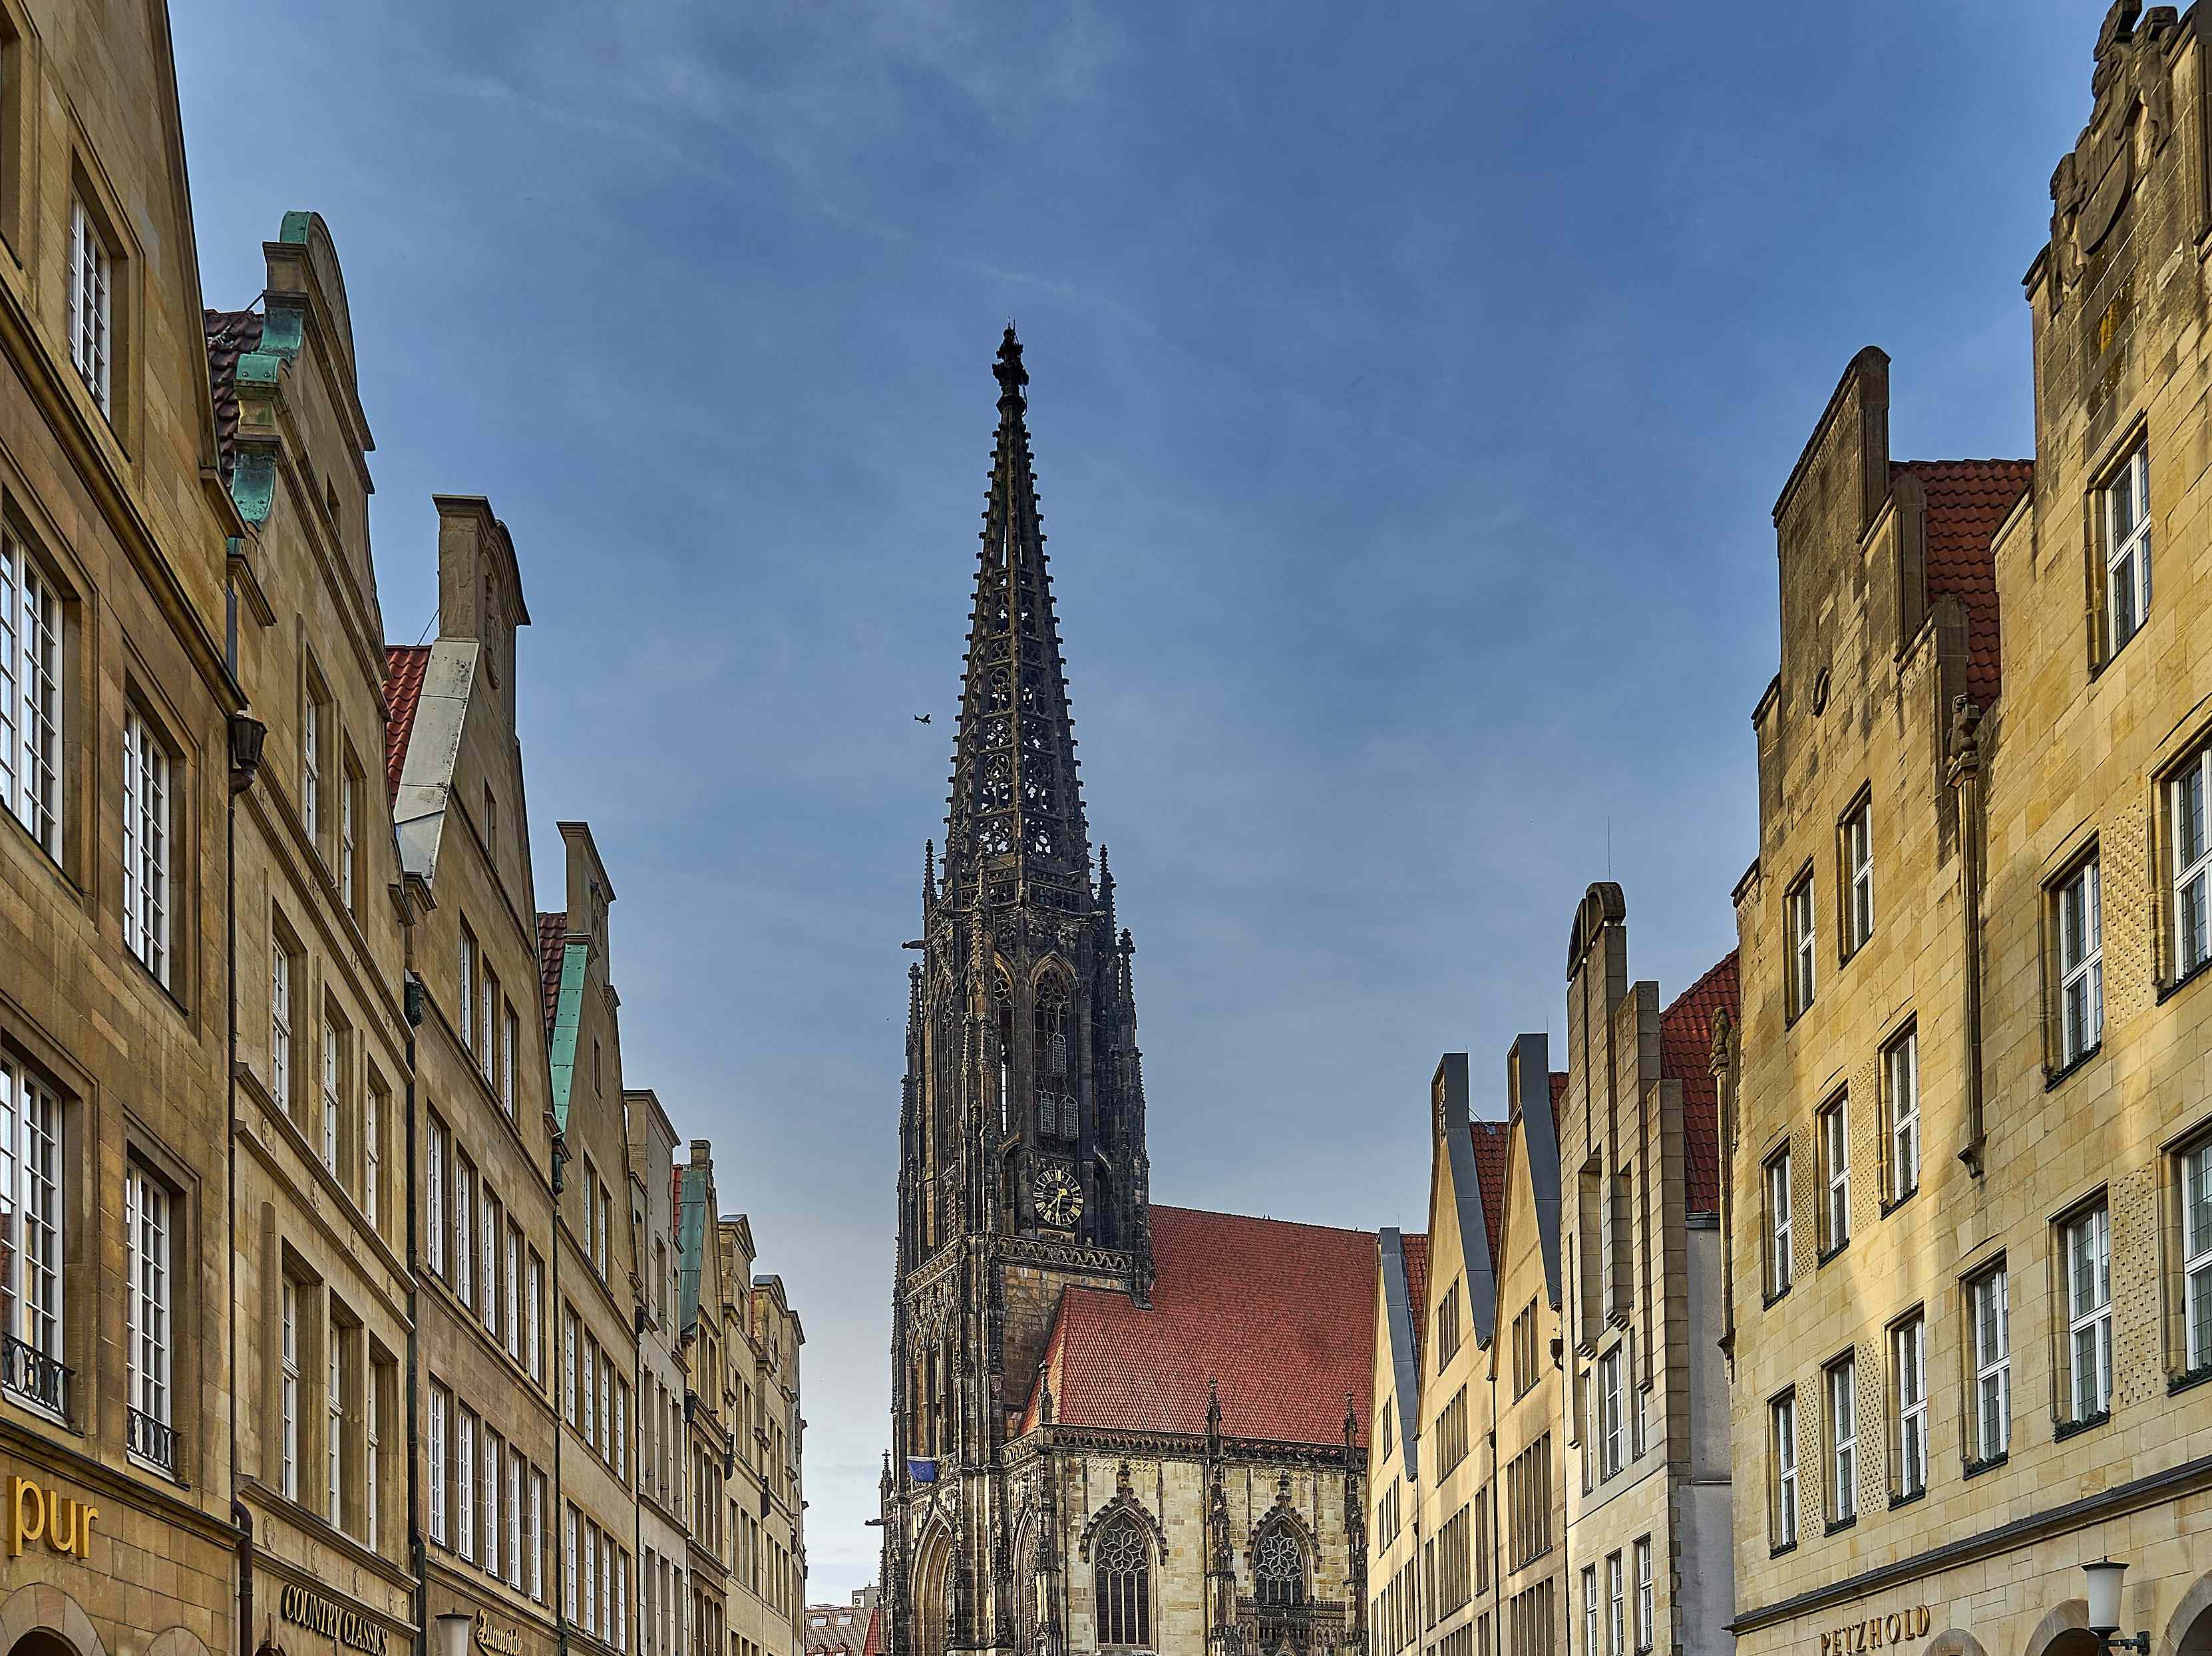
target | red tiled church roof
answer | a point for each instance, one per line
(552, 944)
(1279, 1315)
(1686, 1050)
(405, 665)
(230, 335)
(1417, 1282)
(1967, 501)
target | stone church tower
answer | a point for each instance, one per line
(1095, 1400)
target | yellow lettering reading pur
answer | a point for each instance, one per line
(26, 1514)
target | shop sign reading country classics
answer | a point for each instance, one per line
(1876, 1632)
(303, 1607)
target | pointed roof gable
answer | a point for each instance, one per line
(1489, 1142)
(1968, 501)
(1532, 1153)
(1016, 801)
(1279, 1315)
(695, 1226)
(1686, 1048)
(405, 665)
(1454, 1157)
(561, 963)
(1403, 1264)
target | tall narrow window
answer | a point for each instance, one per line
(492, 1228)
(146, 1220)
(2192, 865)
(312, 714)
(334, 1345)
(280, 1021)
(91, 305)
(372, 1455)
(440, 1413)
(511, 1035)
(514, 1503)
(465, 1023)
(568, 1379)
(1842, 1378)
(288, 1388)
(1781, 1457)
(1122, 1567)
(1777, 1224)
(1616, 1594)
(1859, 877)
(493, 1458)
(433, 1177)
(2127, 550)
(30, 694)
(1645, 1608)
(464, 1484)
(2081, 928)
(537, 1535)
(145, 846)
(511, 1280)
(606, 1230)
(1609, 1413)
(1908, 1391)
(531, 1304)
(487, 1037)
(1835, 1175)
(2085, 1244)
(1901, 1079)
(1986, 1302)
(464, 1235)
(333, 1088)
(373, 1112)
(349, 819)
(31, 1240)
(1590, 1611)
(2197, 1252)
(1803, 943)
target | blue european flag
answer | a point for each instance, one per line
(922, 1470)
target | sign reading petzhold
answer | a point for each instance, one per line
(1893, 1628)
(317, 1614)
(497, 1641)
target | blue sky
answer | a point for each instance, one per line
(1410, 390)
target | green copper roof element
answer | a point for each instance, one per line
(253, 483)
(568, 1012)
(691, 1228)
(294, 230)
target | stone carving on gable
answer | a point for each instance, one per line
(1124, 1501)
(2094, 183)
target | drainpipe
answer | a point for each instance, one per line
(413, 1009)
(1964, 775)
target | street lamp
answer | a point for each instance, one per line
(2105, 1607)
(454, 1633)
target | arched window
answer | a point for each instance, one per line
(1278, 1564)
(1055, 1081)
(1002, 1005)
(1121, 1565)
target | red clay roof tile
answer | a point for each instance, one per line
(1416, 1284)
(1279, 1315)
(552, 944)
(230, 335)
(1686, 1048)
(1967, 501)
(1490, 1139)
(405, 665)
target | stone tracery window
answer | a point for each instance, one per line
(1122, 1564)
(1279, 1565)
(1055, 1086)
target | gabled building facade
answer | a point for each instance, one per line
(324, 1284)
(663, 1451)
(1395, 1519)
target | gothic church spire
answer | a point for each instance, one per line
(1015, 817)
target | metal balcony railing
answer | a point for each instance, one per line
(150, 1440)
(35, 1377)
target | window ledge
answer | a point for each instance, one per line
(1837, 1526)
(2196, 1376)
(1779, 1294)
(1826, 1254)
(1897, 1501)
(2061, 1431)
(2168, 991)
(1976, 1468)
(2054, 1078)
(1892, 1203)
(1782, 1551)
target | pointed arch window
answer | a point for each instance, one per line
(1121, 1565)
(1056, 1106)
(1002, 1008)
(1278, 1567)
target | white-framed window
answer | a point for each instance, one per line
(2080, 926)
(280, 1020)
(1782, 1456)
(288, 1388)
(372, 1152)
(1987, 1305)
(1646, 1607)
(532, 1302)
(31, 1234)
(514, 1549)
(434, 1179)
(2085, 1244)
(440, 1409)
(464, 1484)
(30, 694)
(2127, 550)
(1901, 1078)
(606, 1229)
(492, 1228)
(348, 847)
(2192, 865)
(537, 1535)
(466, 1022)
(1616, 1605)
(573, 1547)
(511, 1280)
(2196, 1253)
(312, 713)
(569, 1386)
(91, 305)
(372, 1456)
(511, 1035)
(1836, 1174)
(1908, 1390)
(487, 1037)
(146, 1221)
(1858, 877)
(1779, 1217)
(145, 846)
(333, 1089)
(1803, 943)
(493, 1458)
(334, 1345)
(1842, 1379)
(465, 1234)
(1609, 1413)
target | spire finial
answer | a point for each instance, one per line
(928, 872)
(1010, 373)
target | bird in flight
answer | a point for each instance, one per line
(921, 719)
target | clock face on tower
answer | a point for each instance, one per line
(1059, 1197)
